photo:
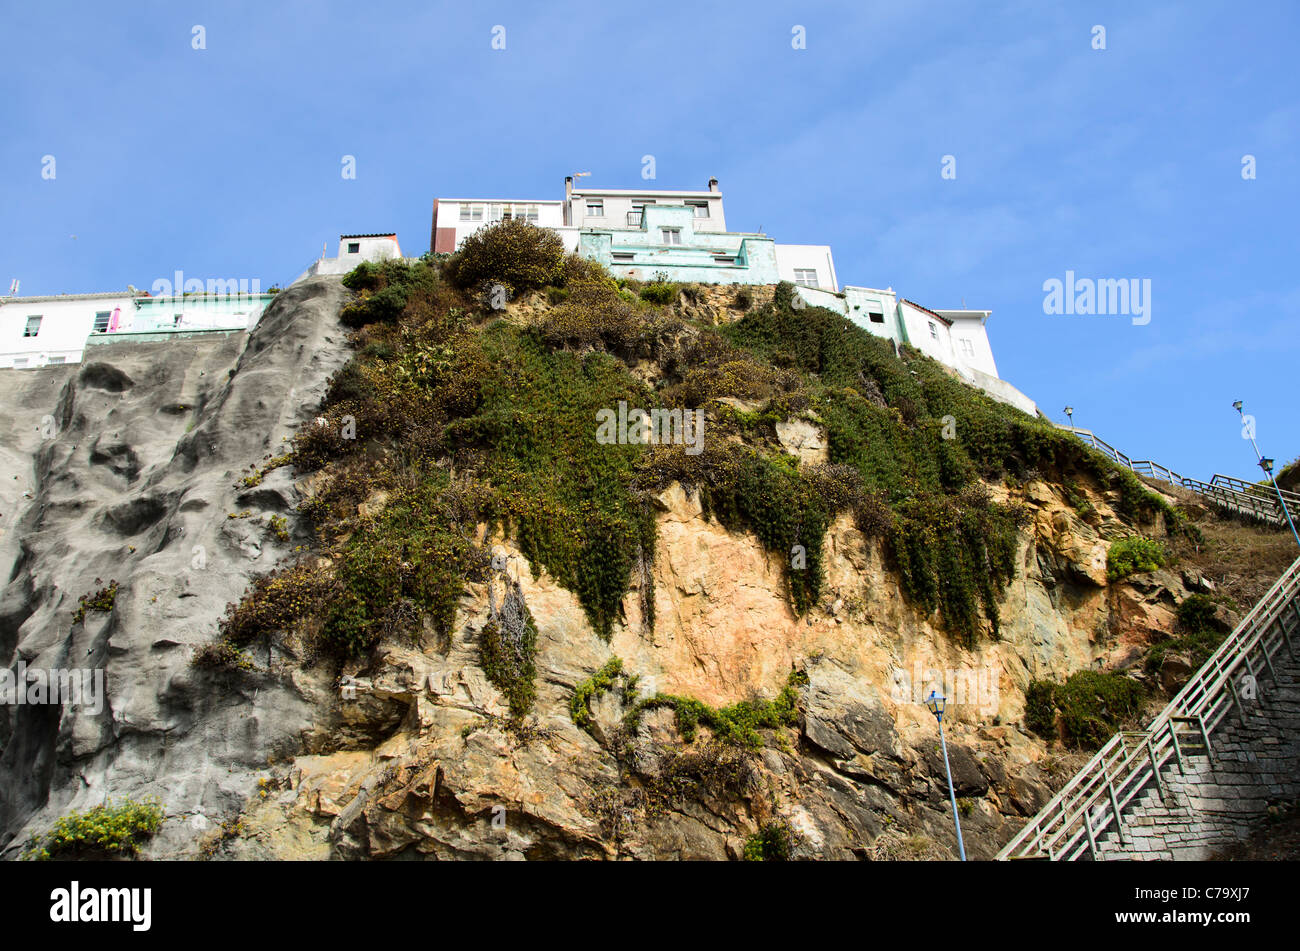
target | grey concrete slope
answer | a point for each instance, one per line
(126, 468)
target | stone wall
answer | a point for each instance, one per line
(1219, 801)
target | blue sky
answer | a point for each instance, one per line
(1116, 163)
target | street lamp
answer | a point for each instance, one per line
(1267, 465)
(936, 704)
(1069, 411)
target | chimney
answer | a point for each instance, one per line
(568, 187)
(713, 184)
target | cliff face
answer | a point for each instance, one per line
(127, 468)
(123, 469)
(861, 776)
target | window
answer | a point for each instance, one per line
(724, 259)
(354, 247)
(20, 362)
(58, 360)
(876, 313)
(806, 276)
(470, 211)
(101, 322)
(522, 212)
(671, 235)
(634, 216)
(33, 327)
(701, 208)
(934, 331)
(967, 347)
(622, 256)
(596, 207)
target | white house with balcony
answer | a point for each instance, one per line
(611, 225)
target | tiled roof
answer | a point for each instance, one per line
(928, 311)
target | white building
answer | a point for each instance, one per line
(455, 219)
(45, 330)
(48, 330)
(622, 210)
(353, 249)
(683, 235)
(956, 338)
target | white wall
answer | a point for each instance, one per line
(618, 205)
(927, 333)
(550, 214)
(1003, 392)
(816, 257)
(371, 249)
(862, 302)
(65, 325)
(969, 326)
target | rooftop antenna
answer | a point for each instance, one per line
(13, 287)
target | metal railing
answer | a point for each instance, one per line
(1093, 802)
(1236, 495)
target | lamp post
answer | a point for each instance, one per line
(1069, 411)
(1267, 466)
(936, 704)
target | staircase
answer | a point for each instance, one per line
(1205, 768)
(1234, 495)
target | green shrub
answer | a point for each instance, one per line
(1091, 707)
(1040, 707)
(101, 600)
(411, 558)
(737, 724)
(513, 253)
(103, 831)
(275, 603)
(1134, 555)
(773, 842)
(659, 293)
(601, 682)
(1197, 613)
(1200, 633)
(221, 655)
(507, 644)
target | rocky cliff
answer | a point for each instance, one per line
(134, 468)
